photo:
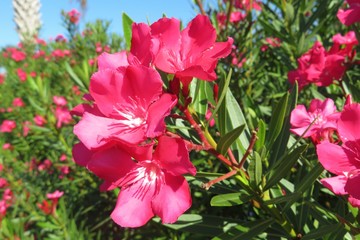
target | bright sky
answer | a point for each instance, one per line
(138, 10)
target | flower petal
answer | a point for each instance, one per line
(173, 199)
(174, 156)
(112, 60)
(333, 158)
(157, 113)
(81, 154)
(132, 210)
(349, 122)
(352, 186)
(335, 184)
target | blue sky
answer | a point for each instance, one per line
(138, 10)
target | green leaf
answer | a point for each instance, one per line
(127, 29)
(289, 12)
(74, 76)
(228, 139)
(261, 134)
(322, 231)
(255, 170)
(283, 166)
(229, 199)
(277, 120)
(246, 231)
(223, 92)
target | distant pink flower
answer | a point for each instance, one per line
(318, 122)
(40, 41)
(351, 15)
(60, 38)
(3, 182)
(39, 120)
(55, 195)
(21, 74)
(1, 167)
(191, 52)
(2, 78)
(44, 165)
(7, 146)
(39, 54)
(18, 102)
(318, 67)
(273, 42)
(248, 5)
(7, 126)
(129, 106)
(153, 185)
(343, 161)
(63, 157)
(343, 45)
(74, 16)
(59, 100)
(17, 55)
(3, 208)
(62, 115)
(235, 17)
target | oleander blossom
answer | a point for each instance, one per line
(318, 122)
(191, 52)
(128, 105)
(344, 160)
(351, 15)
(152, 184)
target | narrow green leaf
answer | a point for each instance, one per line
(127, 29)
(277, 119)
(74, 76)
(229, 199)
(282, 199)
(255, 170)
(283, 166)
(246, 231)
(322, 231)
(223, 92)
(261, 134)
(229, 138)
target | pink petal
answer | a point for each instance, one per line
(352, 186)
(131, 209)
(335, 184)
(349, 16)
(333, 158)
(106, 129)
(81, 154)
(141, 43)
(198, 36)
(354, 202)
(112, 60)
(157, 113)
(107, 87)
(173, 199)
(111, 164)
(349, 122)
(198, 72)
(173, 156)
(167, 31)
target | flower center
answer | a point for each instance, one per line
(132, 114)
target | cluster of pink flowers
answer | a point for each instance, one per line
(16, 54)
(322, 67)
(49, 208)
(7, 197)
(122, 128)
(74, 16)
(340, 155)
(272, 42)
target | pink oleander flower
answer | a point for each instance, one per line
(17, 55)
(3, 182)
(63, 157)
(318, 67)
(248, 5)
(2, 78)
(235, 17)
(3, 208)
(191, 52)
(18, 102)
(59, 100)
(21, 74)
(39, 120)
(152, 185)
(7, 126)
(351, 15)
(129, 105)
(62, 115)
(54, 198)
(60, 38)
(1, 167)
(318, 122)
(7, 146)
(343, 45)
(344, 160)
(55, 195)
(74, 16)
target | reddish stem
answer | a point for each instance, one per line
(197, 128)
(219, 179)
(199, 3)
(249, 149)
